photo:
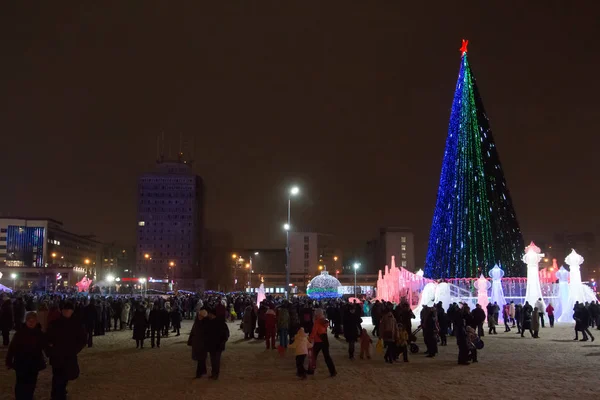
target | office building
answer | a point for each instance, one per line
(40, 251)
(170, 226)
(392, 241)
(117, 260)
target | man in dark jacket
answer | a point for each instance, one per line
(352, 328)
(6, 321)
(479, 319)
(216, 335)
(89, 321)
(155, 322)
(64, 340)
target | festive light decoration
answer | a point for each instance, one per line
(323, 286)
(532, 258)
(84, 284)
(260, 295)
(474, 223)
(497, 293)
(577, 290)
(482, 292)
(563, 291)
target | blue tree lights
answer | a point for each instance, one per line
(474, 224)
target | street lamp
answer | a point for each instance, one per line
(14, 278)
(142, 281)
(110, 279)
(294, 190)
(146, 256)
(356, 267)
(53, 255)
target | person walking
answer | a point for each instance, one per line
(140, 324)
(301, 344)
(582, 318)
(197, 342)
(26, 358)
(535, 323)
(352, 328)
(550, 312)
(176, 320)
(64, 340)
(506, 317)
(387, 333)
(527, 319)
(365, 345)
(539, 304)
(283, 324)
(216, 335)
(155, 322)
(478, 318)
(6, 320)
(518, 318)
(270, 328)
(321, 342)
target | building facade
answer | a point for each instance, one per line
(40, 252)
(170, 225)
(392, 241)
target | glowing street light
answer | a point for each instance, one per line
(256, 253)
(234, 256)
(286, 227)
(171, 264)
(86, 261)
(356, 267)
(146, 256)
(14, 278)
(294, 191)
(320, 268)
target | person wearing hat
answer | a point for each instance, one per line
(25, 356)
(64, 340)
(197, 342)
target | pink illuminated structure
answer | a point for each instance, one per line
(84, 284)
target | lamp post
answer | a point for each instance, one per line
(172, 266)
(142, 281)
(293, 192)
(356, 267)
(14, 278)
(110, 279)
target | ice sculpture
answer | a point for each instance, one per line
(427, 298)
(260, 295)
(563, 291)
(84, 284)
(497, 296)
(576, 291)
(532, 258)
(442, 293)
(482, 285)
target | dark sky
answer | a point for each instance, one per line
(350, 99)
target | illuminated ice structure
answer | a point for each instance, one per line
(497, 296)
(260, 295)
(532, 258)
(482, 292)
(563, 292)
(84, 284)
(323, 286)
(442, 293)
(427, 298)
(577, 290)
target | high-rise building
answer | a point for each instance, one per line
(118, 261)
(40, 252)
(311, 252)
(392, 241)
(170, 226)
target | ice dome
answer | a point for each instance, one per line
(323, 286)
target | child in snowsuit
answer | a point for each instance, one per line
(365, 345)
(301, 344)
(401, 343)
(472, 338)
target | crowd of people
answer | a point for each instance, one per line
(61, 325)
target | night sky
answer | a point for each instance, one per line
(348, 99)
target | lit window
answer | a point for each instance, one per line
(403, 240)
(142, 223)
(404, 263)
(403, 247)
(404, 256)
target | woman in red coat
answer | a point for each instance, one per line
(270, 328)
(321, 342)
(550, 312)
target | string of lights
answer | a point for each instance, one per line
(474, 224)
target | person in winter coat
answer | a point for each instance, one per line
(89, 321)
(155, 322)
(26, 358)
(176, 320)
(270, 328)
(42, 316)
(550, 312)
(125, 314)
(527, 315)
(140, 324)
(387, 333)
(247, 322)
(165, 314)
(216, 335)
(478, 319)
(506, 317)
(365, 345)
(352, 328)
(294, 323)
(460, 331)
(196, 340)
(376, 314)
(582, 316)
(535, 322)
(401, 343)
(320, 340)
(64, 340)
(518, 318)
(491, 317)
(301, 344)
(262, 310)
(18, 312)
(442, 320)
(6, 321)
(541, 306)
(430, 330)
(512, 312)
(283, 324)
(117, 311)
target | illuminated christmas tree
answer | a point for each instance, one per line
(474, 224)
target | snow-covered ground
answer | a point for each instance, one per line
(509, 367)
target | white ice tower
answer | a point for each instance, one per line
(532, 258)
(576, 290)
(563, 293)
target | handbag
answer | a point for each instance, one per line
(379, 346)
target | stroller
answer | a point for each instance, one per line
(412, 338)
